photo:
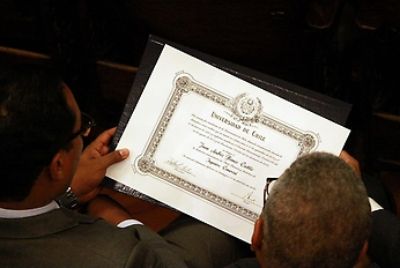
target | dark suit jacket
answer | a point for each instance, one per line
(384, 243)
(63, 238)
(245, 263)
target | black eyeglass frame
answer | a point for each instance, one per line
(87, 123)
(266, 189)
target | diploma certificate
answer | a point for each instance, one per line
(204, 141)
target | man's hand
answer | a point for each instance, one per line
(351, 161)
(94, 161)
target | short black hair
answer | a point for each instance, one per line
(35, 122)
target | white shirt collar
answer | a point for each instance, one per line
(374, 205)
(23, 213)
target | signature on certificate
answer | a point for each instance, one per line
(179, 166)
(247, 198)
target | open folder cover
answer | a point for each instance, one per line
(330, 108)
(205, 133)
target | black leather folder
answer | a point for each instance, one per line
(325, 106)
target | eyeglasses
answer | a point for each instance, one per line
(87, 122)
(266, 188)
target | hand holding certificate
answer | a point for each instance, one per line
(203, 141)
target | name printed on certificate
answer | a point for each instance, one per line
(203, 141)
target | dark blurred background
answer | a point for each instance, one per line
(348, 49)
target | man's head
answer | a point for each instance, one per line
(316, 215)
(38, 115)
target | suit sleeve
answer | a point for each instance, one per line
(384, 243)
(153, 251)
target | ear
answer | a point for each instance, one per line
(363, 257)
(256, 239)
(56, 167)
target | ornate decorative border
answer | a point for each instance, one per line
(245, 107)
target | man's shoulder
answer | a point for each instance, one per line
(63, 233)
(68, 225)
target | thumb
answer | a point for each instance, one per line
(114, 157)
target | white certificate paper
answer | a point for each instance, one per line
(204, 142)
